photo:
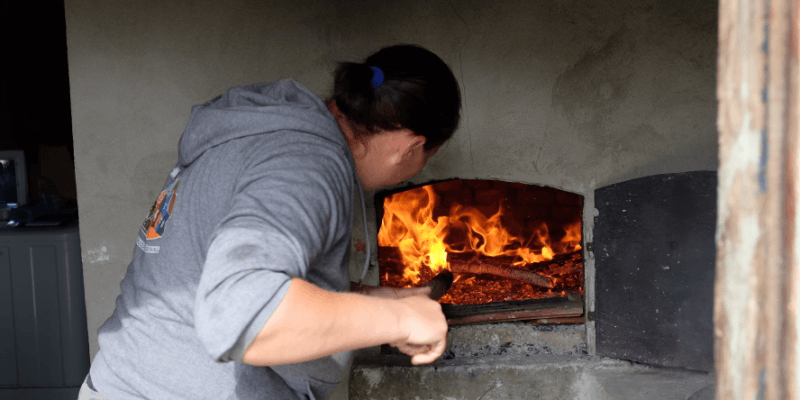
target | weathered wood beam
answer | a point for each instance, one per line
(756, 299)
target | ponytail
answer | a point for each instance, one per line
(403, 86)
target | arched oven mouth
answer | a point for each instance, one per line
(515, 250)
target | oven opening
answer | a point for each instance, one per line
(515, 250)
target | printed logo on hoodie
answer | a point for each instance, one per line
(156, 222)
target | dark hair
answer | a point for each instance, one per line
(419, 92)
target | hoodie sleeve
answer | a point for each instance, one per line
(288, 207)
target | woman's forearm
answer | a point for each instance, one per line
(311, 323)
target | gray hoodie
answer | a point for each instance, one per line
(262, 192)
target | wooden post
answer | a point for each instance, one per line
(758, 242)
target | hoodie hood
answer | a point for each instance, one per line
(257, 109)
(263, 108)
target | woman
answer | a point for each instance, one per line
(241, 292)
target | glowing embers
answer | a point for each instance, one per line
(461, 222)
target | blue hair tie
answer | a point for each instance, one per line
(377, 77)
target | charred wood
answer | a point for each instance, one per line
(499, 269)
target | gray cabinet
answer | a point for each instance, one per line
(44, 350)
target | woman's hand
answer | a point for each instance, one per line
(426, 327)
(423, 321)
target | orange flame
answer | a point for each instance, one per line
(408, 224)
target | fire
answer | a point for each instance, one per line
(424, 241)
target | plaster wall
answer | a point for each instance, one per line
(569, 94)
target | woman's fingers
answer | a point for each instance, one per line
(429, 356)
(425, 327)
(423, 354)
(413, 350)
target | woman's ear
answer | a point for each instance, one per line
(414, 143)
(334, 108)
(416, 146)
(419, 141)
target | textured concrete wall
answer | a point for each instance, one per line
(570, 94)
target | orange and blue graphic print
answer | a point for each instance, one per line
(156, 221)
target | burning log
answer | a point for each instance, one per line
(499, 269)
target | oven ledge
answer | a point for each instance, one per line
(526, 377)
